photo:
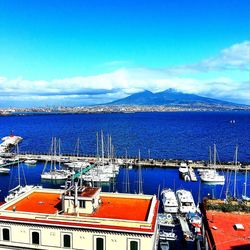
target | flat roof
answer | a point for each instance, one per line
(123, 208)
(221, 227)
(112, 207)
(38, 202)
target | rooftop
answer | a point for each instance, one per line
(221, 226)
(115, 210)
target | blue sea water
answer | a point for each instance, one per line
(182, 135)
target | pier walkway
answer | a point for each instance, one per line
(131, 161)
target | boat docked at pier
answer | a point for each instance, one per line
(183, 169)
(20, 188)
(185, 201)
(169, 201)
(4, 170)
(54, 173)
(211, 175)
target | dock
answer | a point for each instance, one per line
(187, 234)
(161, 163)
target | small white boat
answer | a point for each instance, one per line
(18, 190)
(186, 201)
(55, 175)
(170, 204)
(164, 245)
(30, 162)
(164, 235)
(183, 169)
(212, 177)
(4, 170)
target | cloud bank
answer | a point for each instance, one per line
(122, 82)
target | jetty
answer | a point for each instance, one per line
(123, 161)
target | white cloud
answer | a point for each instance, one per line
(236, 57)
(125, 81)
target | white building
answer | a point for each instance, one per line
(79, 218)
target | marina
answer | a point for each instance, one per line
(179, 227)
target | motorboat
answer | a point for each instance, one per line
(185, 201)
(183, 169)
(169, 201)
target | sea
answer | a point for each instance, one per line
(168, 135)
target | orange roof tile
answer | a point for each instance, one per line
(225, 236)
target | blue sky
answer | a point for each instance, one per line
(60, 52)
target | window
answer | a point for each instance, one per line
(66, 240)
(35, 238)
(6, 234)
(82, 204)
(99, 244)
(133, 245)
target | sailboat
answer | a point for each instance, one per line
(54, 173)
(19, 189)
(211, 175)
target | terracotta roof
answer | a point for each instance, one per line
(223, 233)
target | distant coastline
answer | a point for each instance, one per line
(121, 109)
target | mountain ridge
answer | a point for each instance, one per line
(168, 97)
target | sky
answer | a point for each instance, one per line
(83, 52)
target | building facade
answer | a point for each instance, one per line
(79, 218)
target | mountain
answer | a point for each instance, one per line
(168, 97)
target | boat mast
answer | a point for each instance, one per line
(245, 184)
(214, 155)
(102, 148)
(18, 165)
(235, 170)
(140, 191)
(210, 156)
(97, 146)
(54, 158)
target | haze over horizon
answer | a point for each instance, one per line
(68, 53)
